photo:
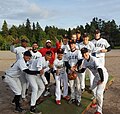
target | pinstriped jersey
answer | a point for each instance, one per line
(59, 64)
(100, 44)
(90, 46)
(73, 57)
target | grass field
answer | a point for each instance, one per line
(50, 107)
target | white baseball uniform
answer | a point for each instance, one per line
(93, 64)
(12, 76)
(100, 44)
(62, 76)
(35, 81)
(66, 49)
(90, 46)
(43, 64)
(72, 58)
(19, 51)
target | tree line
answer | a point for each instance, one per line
(34, 32)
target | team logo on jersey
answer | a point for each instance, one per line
(99, 45)
(73, 57)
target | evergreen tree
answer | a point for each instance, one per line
(5, 31)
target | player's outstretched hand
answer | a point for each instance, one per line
(16, 41)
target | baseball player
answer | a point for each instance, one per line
(60, 75)
(65, 45)
(12, 77)
(38, 82)
(79, 38)
(101, 47)
(100, 77)
(44, 66)
(19, 51)
(72, 61)
(90, 46)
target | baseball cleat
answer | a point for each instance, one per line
(78, 103)
(19, 109)
(58, 102)
(97, 113)
(66, 98)
(71, 101)
(93, 105)
(46, 93)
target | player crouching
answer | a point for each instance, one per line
(60, 75)
(13, 74)
(100, 77)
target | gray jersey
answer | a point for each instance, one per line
(93, 64)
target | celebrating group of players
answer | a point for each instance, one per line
(71, 57)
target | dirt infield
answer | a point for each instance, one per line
(111, 97)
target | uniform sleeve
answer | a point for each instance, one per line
(107, 44)
(13, 49)
(22, 65)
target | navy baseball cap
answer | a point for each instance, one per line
(97, 31)
(60, 51)
(71, 42)
(84, 50)
(85, 35)
(78, 31)
(24, 40)
(27, 53)
(65, 36)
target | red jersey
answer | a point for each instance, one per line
(53, 50)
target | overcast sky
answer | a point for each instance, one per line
(60, 13)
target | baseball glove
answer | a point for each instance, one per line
(72, 75)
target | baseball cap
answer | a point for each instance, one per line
(84, 50)
(85, 35)
(72, 42)
(78, 31)
(97, 31)
(24, 40)
(48, 41)
(27, 53)
(60, 51)
(65, 36)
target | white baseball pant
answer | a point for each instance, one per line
(37, 86)
(14, 84)
(75, 92)
(98, 90)
(82, 79)
(58, 78)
